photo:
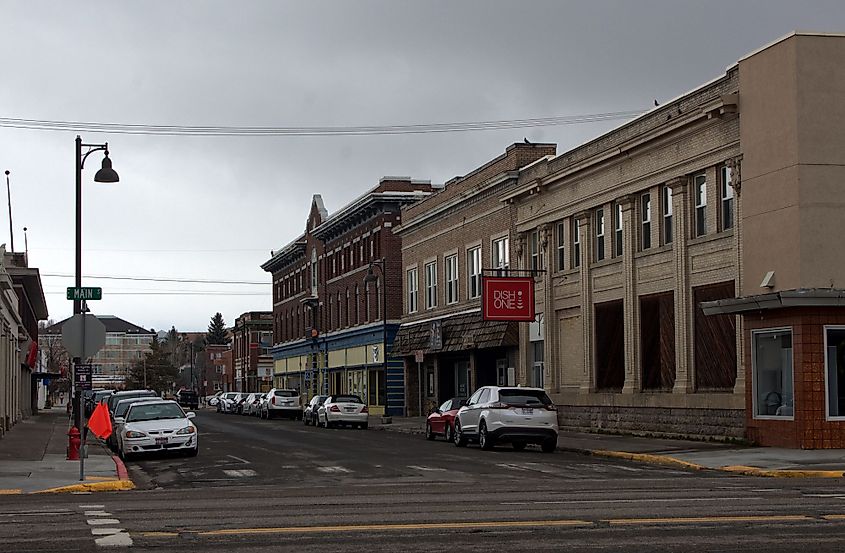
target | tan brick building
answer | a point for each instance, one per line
(252, 337)
(656, 235)
(447, 240)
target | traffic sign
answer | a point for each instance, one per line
(82, 377)
(89, 326)
(84, 293)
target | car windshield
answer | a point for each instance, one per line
(123, 406)
(286, 393)
(154, 412)
(524, 397)
(113, 399)
(347, 399)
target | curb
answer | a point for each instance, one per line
(783, 473)
(108, 486)
(122, 473)
(663, 460)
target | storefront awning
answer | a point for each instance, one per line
(805, 297)
(456, 333)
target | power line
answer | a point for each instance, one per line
(195, 293)
(258, 131)
(157, 279)
(132, 250)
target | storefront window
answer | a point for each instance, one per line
(772, 362)
(834, 340)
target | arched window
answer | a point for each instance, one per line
(367, 300)
(314, 272)
(357, 305)
(329, 312)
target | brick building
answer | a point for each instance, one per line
(217, 367)
(252, 337)
(330, 328)
(447, 240)
(686, 290)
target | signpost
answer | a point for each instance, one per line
(84, 293)
(82, 376)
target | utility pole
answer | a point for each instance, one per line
(191, 347)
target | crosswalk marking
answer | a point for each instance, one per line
(334, 469)
(424, 468)
(239, 473)
(106, 531)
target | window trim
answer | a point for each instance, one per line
(726, 195)
(430, 284)
(472, 276)
(413, 293)
(700, 200)
(618, 224)
(494, 250)
(754, 414)
(561, 246)
(576, 243)
(645, 221)
(667, 235)
(600, 235)
(455, 280)
(827, 416)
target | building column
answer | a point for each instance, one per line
(588, 375)
(684, 368)
(735, 165)
(524, 355)
(630, 305)
(551, 336)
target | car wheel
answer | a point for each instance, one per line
(449, 433)
(429, 434)
(484, 439)
(518, 446)
(192, 452)
(460, 439)
(365, 426)
(305, 420)
(548, 446)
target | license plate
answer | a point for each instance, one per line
(160, 441)
(527, 410)
(350, 409)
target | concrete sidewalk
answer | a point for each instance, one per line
(33, 459)
(689, 454)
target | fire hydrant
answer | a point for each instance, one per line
(73, 444)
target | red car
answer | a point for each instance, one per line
(441, 422)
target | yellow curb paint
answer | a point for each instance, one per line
(783, 473)
(10, 492)
(112, 486)
(693, 520)
(101, 478)
(378, 527)
(833, 517)
(647, 458)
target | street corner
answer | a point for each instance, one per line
(649, 458)
(782, 473)
(82, 487)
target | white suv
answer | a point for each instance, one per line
(279, 401)
(516, 415)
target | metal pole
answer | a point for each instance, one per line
(384, 331)
(191, 349)
(82, 434)
(9, 196)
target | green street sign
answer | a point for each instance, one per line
(84, 293)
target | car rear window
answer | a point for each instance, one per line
(286, 393)
(347, 399)
(524, 397)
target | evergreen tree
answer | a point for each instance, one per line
(157, 367)
(217, 333)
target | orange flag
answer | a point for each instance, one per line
(100, 422)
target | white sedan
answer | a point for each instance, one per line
(343, 409)
(156, 426)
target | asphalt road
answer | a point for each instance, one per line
(280, 486)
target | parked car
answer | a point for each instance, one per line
(343, 409)
(213, 400)
(514, 415)
(441, 422)
(281, 401)
(119, 413)
(125, 394)
(151, 426)
(309, 414)
(188, 398)
(253, 408)
(224, 404)
(245, 402)
(93, 397)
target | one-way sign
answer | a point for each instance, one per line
(84, 293)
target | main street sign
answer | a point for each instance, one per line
(84, 293)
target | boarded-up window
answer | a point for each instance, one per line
(657, 327)
(610, 351)
(715, 341)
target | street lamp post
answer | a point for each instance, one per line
(371, 278)
(108, 175)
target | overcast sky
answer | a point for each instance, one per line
(191, 207)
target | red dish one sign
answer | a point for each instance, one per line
(508, 299)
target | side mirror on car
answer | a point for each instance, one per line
(119, 420)
(190, 414)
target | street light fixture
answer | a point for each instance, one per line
(108, 175)
(371, 278)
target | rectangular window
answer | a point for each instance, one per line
(501, 256)
(599, 234)
(535, 250)
(667, 215)
(452, 279)
(431, 285)
(617, 232)
(645, 212)
(561, 247)
(772, 366)
(413, 290)
(834, 361)
(576, 243)
(474, 272)
(727, 199)
(700, 205)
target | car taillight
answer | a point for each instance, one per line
(274, 400)
(334, 409)
(499, 405)
(365, 409)
(551, 407)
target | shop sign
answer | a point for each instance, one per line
(508, 298)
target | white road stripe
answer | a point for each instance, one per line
(102, 521)
(430, 469)
(654, 500)
(105, 528)
(240, 473)
(244, 461)
(334, 469)
(97, 514)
